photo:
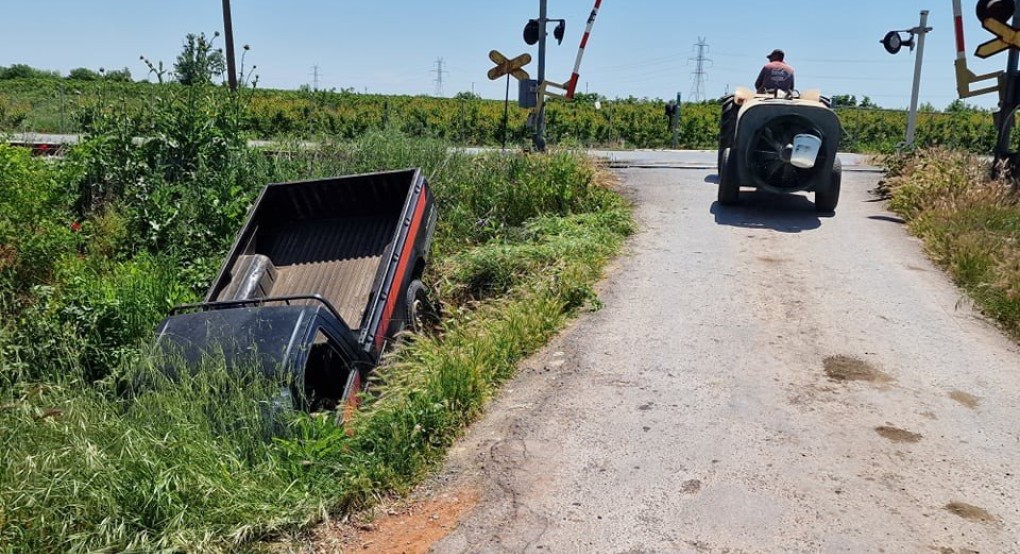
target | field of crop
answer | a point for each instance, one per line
(51, 105)
(97, 246)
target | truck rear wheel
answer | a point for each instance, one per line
(827, 198)
(422, 313)
(729, 189)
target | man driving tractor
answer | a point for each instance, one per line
(776, 75)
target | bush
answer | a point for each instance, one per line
(37, 227)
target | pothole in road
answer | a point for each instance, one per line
(970, 512)
(844, 369)
(968, 400)
(896, 434)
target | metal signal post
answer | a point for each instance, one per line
(539, 138)
(893, 43)
(922, 31)
(1010, 100)
(1000, 18)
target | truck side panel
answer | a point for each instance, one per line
(407, 256)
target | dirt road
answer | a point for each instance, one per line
(759, 380)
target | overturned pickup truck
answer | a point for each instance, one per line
(322, 275)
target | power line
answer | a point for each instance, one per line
(439, 71)
(698, 84)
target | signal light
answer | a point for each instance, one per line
(531, 32)
(893, 42)
(999, 10)
(559, 30)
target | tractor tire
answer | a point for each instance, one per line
(729, 188)
(727, 125)
(826, 199)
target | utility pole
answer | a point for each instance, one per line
(922, 31)
(439, 76)
(698, 82)
(228, 35)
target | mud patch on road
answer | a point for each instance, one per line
(896, 434)
(843, 369)
(772, 260)
(970, 512)
(967, 399)
(691, 487)
(947, 550)
(407, 528)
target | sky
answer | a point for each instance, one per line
(642, 48)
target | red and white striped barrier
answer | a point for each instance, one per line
(572, 84)
(958, 20)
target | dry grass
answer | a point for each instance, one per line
(970, 224)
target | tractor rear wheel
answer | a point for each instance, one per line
(827, 198)
(729, 188)
(727, 126)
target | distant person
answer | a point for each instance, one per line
(776, 75)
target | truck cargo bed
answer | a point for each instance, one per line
(337, 258)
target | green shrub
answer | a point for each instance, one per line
(37, 228)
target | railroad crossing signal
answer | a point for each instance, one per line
(512, 67)
(1006, 37)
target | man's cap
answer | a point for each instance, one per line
(777, 53)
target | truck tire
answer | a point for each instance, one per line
(729, 189)
(827, 198)
(422, 314)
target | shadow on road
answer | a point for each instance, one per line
(713, 179)
(889, 218)
(786, 213)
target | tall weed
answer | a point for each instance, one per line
(970, 224)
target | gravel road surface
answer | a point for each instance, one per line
(759, 379)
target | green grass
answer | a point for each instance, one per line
(969, 222)
(93, 462)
